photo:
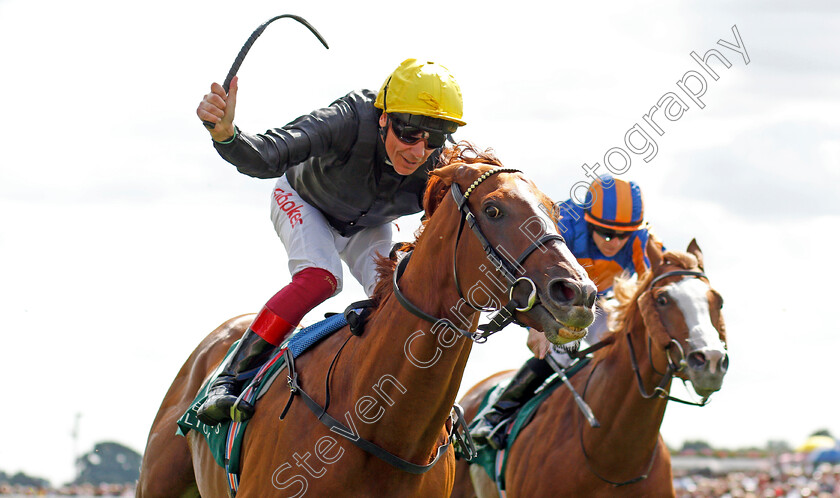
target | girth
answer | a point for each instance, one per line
(351, 435)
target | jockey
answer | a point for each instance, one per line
(608, 237)
(344, 173)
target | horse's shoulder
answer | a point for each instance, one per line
(167, 462)
(224, 335)
(210, 351)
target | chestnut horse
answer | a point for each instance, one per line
(394, 385)
(668, 323)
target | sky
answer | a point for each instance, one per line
(125, 239)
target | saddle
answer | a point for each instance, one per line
(225, 439)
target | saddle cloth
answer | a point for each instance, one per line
(495, 462)
(225, 439)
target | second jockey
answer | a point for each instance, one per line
(608, 236)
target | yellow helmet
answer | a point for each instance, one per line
(422, 89)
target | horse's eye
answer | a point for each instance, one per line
(662, 300)
(492, 211)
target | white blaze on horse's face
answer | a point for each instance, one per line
(690, 295)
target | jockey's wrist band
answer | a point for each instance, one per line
(231, 139)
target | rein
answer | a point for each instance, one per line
(586, 458)
(660, 391)
(505, 315)
(503, 265)
(414, 310)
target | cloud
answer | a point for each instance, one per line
(785, 170)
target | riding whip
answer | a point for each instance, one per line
(251, 39)
(584, 408)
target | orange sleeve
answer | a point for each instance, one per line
(602, 272)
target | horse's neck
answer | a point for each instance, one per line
(613, 393)
(427, 360)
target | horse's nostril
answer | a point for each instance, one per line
(724, 364)
(563, 291)
(696, 360)
(572, 292)
(590, 300)
(568, 292)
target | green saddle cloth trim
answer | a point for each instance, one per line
(487, 456)
(217, 435)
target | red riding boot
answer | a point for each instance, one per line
(309, 288)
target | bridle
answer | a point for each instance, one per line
(660, 391)
(674, 365)
(501, 262)
(503, 265)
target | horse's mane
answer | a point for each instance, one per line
(627, 290)
(437, 187)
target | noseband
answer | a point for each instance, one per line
(674, 366)
(501, 262)
(659, 391)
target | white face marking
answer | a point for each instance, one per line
(530, 198)
(690, 296)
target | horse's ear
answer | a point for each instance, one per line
(436, 189)
(653, 251)
(694, 248)
(440, 180)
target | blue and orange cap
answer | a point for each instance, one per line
(615, 204)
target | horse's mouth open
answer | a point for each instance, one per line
(571, 327)
(565, 334)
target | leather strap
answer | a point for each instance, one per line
(342, 430)
(414, 310)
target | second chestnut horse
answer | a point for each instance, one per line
(669, 323)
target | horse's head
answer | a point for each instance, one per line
(683, 314)
(507, 249)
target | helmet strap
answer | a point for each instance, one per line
(383, 130)
(385, 96)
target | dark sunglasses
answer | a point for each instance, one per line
(610, 234)
(410, 135)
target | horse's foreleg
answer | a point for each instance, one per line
(166, 469)
(210, 478)
(483, 485)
